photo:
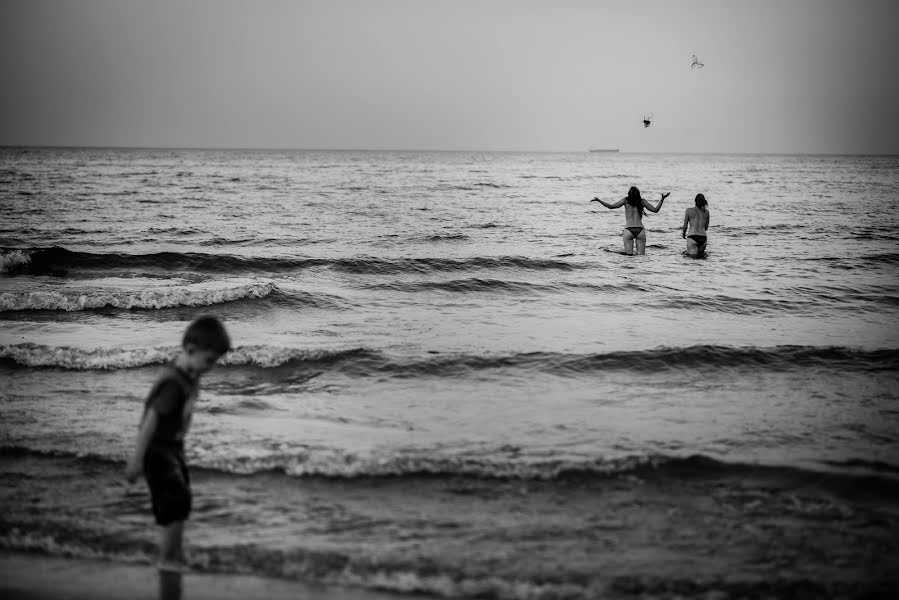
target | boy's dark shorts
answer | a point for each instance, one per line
(169, 482)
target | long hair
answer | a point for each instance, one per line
(702, 205)
(634, 199)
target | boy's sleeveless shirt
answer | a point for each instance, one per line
(172, 397)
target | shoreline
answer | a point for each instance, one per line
(33, 576)
(654, 533)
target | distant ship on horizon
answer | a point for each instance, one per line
(603, 149)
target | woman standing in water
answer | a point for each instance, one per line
(696, 219)
(633, 219)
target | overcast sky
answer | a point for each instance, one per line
(816, 76)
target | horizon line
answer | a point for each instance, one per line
(433, 150)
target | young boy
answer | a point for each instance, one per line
(159, 455)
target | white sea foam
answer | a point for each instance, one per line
(13, 260)
(39, 355)
(274, 356)
(170, 297)
(71, 357)
(334, 463)
(447, 586)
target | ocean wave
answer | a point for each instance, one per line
(332, 463)
(807, 300)
(867, 465)
(470, 187)
(14, 261)
(473, 284)
(751, 306)
(809, 297)
(367, 362)
(446, 237)
(30, 355)
(60, 261)
(421, 551)
(151, 299)
(418, 572)
(889, 258)
(488, 225)
(368, 570)
(344, 465)
(476, 284)
(338, 464)
(756, 230)
(39, 356)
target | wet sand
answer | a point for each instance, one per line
(35, 577)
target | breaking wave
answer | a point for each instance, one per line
(60, 261)
(150, 299)
(365, 362)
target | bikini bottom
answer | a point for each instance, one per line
(635, 231)
(699, 239)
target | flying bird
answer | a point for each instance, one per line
(647, 120)
(696, 63)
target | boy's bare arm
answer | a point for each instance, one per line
(136, 464)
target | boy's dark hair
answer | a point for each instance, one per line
(207, 333)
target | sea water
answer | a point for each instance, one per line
(399, 314)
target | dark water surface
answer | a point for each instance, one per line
(440, 315)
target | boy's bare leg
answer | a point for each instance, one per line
(171, 551)
(169, 585)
